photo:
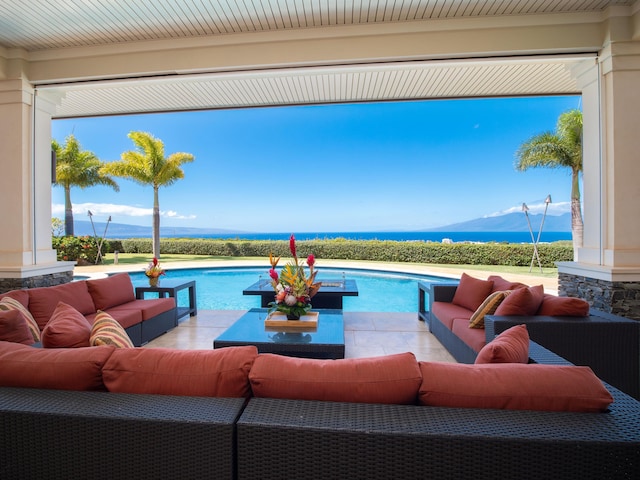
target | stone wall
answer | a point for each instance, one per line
(619, 298)
(48, 280)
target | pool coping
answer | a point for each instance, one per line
(550, 284)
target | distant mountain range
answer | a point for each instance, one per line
(512, 222)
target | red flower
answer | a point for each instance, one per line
(155, 261)
(292, 245)
(273, 274)
(311, 260)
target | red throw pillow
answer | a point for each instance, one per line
(513, 386)
(563, 306)
(471, 292)
(207, 373)
(522, 301)
(59, 368)
(392, 379)
(511, 346)
(67, 329)
(13, 328)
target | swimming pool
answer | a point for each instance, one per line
(221, 288)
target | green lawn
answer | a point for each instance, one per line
(143, 258)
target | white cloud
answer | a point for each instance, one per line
(537, 207)
(101, 211)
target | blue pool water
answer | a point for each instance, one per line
(221, 288)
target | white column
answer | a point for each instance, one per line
(611, 248)
(25, 183)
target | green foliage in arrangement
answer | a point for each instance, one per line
(510, 254)
(80, 249)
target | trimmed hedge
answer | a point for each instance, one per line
(511, 254)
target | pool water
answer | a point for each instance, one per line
(221, 288)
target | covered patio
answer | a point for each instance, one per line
(72, 59)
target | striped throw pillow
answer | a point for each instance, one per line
(8, 303)
(107, 331)
(488, 307)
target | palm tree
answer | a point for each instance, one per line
(562, 149)
(77, 168)
(148, 166)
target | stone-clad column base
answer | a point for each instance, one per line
(617, 297)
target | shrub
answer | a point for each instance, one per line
(511, 254)
(80, 249)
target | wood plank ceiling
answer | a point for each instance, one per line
(41, 25)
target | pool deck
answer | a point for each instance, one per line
(367, 334)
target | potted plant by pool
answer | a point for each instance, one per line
(293, 287)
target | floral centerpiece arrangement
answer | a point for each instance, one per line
(153, 272)
(293, 286)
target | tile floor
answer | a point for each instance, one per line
(366, 334)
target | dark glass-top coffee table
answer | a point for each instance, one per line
(325, 341)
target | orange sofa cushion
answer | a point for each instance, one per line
(20, 295)
(447, 312)
(522, 301)
(392, 379)
(471, 292)
(67, 329)
(501, 284)
(513, 386)
(563, 306)
(13, 328)
(473, 337)
(44, 300)
(111, 291)
(511, 346)
(55, 368)
(208, 373)
(149, 308)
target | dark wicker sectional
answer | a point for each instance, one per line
(62, 435)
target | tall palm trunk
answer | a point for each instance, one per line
(156, 223)
(68, 211)
(577, 226)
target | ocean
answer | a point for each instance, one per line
(506, 237)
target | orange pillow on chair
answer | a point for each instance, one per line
(511, 346)
(522, 301)
(471, 292)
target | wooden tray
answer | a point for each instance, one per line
(279, 319)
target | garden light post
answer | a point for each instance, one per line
(547, 201)
(99, 254)
(525, 209)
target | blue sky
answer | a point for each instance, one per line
(352, 167)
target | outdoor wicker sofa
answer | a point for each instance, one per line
(58, 434)
(609, 344)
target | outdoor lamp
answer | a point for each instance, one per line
(548, 199)
(525, 209)
(89, 213)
